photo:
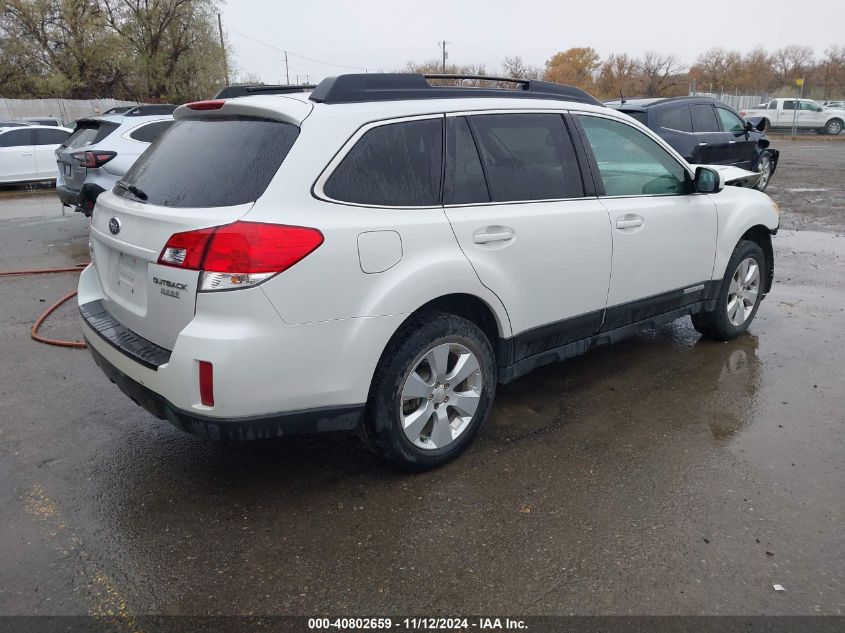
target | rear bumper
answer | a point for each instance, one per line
(232, 430)
(83, 200)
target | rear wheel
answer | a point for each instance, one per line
(432, 392)
(739, 297)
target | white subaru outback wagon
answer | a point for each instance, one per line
(378, 254)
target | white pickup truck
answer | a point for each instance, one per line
(780, 113)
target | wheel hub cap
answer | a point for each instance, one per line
(744, 291)
(440, 395)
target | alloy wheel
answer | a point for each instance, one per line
(743, 291)
(440, 396)
(764, 167)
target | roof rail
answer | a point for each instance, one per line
(149, 110)
(360, 88)
(230, 92)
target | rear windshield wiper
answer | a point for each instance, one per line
(133, 190)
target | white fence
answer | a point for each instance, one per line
(68, 110)
(737, 102)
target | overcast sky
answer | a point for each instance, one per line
(384, 34)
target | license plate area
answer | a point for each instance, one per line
(129, 271)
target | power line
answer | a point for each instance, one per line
(288, 52)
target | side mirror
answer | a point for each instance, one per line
(749, 126)
(708, 180)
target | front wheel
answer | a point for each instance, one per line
(764, 168)
(833, 127)
(432, 391)
(739, 297)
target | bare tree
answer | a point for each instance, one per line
(515, 67)
(661, 74)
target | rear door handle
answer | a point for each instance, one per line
(493, 234)
(628, 222)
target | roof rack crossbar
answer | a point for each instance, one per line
(362, 88)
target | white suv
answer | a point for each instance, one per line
(380, 253)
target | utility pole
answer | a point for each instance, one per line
(444, 54)
(287, 70)
(223, 48)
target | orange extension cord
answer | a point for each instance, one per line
(35, 326)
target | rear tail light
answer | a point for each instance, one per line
(206, 383)
(93, 160)
(239, 255)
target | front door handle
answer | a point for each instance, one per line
(629, 222)
(493, 234)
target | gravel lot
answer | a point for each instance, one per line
(662, 475)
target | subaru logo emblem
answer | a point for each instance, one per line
(114, 226)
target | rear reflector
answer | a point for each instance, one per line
(212, 104)
(241, 254)
(206, 383)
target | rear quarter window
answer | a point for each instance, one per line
(675, 118)
(211, 162)
(150, 132)
(394, 165)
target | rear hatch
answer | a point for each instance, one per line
(207, 170)
(88, 133)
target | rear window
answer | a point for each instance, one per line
(211, 162)
(89, 133)
(675, 118)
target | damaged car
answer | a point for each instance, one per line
(707, 132)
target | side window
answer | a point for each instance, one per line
(809, 105)
(631, 163)
(527, 157)
(16, 138)
(788, 105)
(773, 105)
(150, 132)
(395, 165)
(730, 121)
(704, 119)
(675, 118)
(49, 137)
(464, 182)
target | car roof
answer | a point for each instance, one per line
(35, 127)
(644, 103)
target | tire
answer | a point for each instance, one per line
(763, 163)
(833, 127)
(719, 323)
(405, 393)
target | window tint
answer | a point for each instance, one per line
(704, 119)
(465, 182)
(639, 115)
(675, 118)
(395, 165)
(527, 157)
(49, 137)
(730, 121)
(211, 162)
(89, 132)
(631, 163)
(773, 105)
(150, 132)
(15, 138)
(809, 105)
(788, 105)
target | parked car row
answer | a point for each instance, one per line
(28, 152)
(380, 253)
